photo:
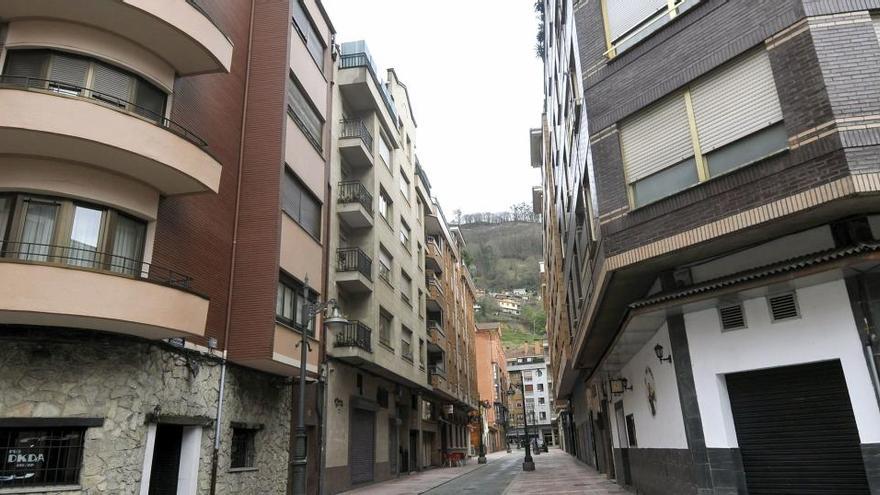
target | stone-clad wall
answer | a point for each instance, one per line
(62, 373)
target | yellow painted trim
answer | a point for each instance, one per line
(611, 52)
(702, 169)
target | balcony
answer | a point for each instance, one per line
(356, 143)
(355, 205)
(359, 82)
(355, 334)
(61, 286)
(435, 330)
(434, 297)
(433, 256)
(178, 31)
(354, 270)
(79, 124)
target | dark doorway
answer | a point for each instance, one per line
(361, 453)
(796, 430)
(166, 460)
(413, 450)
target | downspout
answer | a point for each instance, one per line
(228, 323)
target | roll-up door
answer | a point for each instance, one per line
(796, 431)
(623, 15)
(69, 70)
(112, 85)
(736, 101)
(656, 138)
(24, 64)
(362, 445)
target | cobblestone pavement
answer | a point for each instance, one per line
(556, 473)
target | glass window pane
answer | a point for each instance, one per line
(83, 245)
(37, 231)
(665, 183)
(747, 150)
(291, 195)
(5, 210)
(311, 215)
(128, 245)
(279, 300)
(307, 118)
(150, 101)
(309, 33)
(385, 151)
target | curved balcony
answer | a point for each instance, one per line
(60, 286)
(83, 125)
(178, 31)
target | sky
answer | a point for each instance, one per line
(475, 86)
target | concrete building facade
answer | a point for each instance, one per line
(532, 404)
(710, 287)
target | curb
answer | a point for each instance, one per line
(481, 466)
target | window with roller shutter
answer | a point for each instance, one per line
(628, 22)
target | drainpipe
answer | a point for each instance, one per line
(228, 323)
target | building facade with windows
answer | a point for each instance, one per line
(162, 187)
(710, 226)
(532, 402)
(493, 383)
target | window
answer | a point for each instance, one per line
(385, 321)
(382, 397)
(242, 448)
(360, 384)
(385, 263)
(385, 151)
(543, 415)
(300, 204)
(540, 400)
(630, 21)
(405, 233)
(422, 352)
(289, 303)
(309, 34)
(404, 185)
(304, 114)
(406, 336)
(40, 456)
(406, 287)
(726, 120)
(37, 228)
(540, 387)
(631, 430)
(69, 74)
(385, 205)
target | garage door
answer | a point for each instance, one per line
(361, 447)
(796, 431)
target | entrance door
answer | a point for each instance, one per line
(796, 430)
(413, 450)
(622, 440)
(362, 445)
(166, 460)
(393, 448)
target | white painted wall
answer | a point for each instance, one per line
(665, 430)
(825, 331)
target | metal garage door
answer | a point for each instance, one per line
(361, 446)
(796, 431)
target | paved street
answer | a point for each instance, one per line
(555, 473)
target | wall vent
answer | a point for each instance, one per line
(783, 306)
(732, 317)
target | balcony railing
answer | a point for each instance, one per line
(356, 128)
(354, 260)
(359, 57)
(355, 192)
(90, 259)
(103, 99)
(432, 281)
(435, 370)
(434, 325)
(355, 334)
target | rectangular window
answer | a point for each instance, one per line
(630, 21)
(385, 205)
(422, 352)
(243, 453)
(5, 213)
(631, 430)
(289, 303)
(665, 182)
(385, 151)
(404, 185)
(385, 264)
(405, 233)
(385, 322)
(300, 204)
(406, 336)
(38, 229)
(406, 287)
(309, 34)
(40, 456)
(304, 114)
(540, 387)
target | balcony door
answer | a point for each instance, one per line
(37, 231)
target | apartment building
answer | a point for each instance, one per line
(533, 404)
(710, 230)
(162, 187)
(493, 384)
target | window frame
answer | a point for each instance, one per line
(287, 282)
(73, 468)
(315, 33)
(316, 141)
(304, 192)
(250, 453)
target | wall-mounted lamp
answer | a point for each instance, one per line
(658, 350)
(619, 385)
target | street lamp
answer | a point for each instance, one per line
(528, 463)
(333, 321)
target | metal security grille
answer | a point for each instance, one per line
(40, 456)
(796, 431)
(361, 447)
(783, 306)
(732, 317)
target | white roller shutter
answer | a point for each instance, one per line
(736, 101)
(656, 138)
(624, 15)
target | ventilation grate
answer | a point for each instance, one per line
(732, 317)
(783, 306)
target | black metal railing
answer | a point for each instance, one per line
(354, 260)
(356, 128)
(355, 192)
(355, 334)
(90, 259)
(105, 99)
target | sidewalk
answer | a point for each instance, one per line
(559, 473)
(425, 480)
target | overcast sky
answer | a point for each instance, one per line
(475, 84)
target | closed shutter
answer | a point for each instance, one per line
(361, 446)
(112, 85)
(624, 15)
(150, 101)
(796, 430)
(25, 64)
(738, 100)
(656, 138)
(68, 69)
